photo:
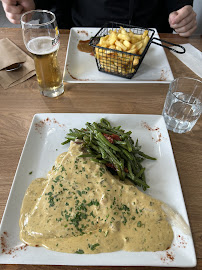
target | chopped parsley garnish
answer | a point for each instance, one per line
(79, 251)
(93, 247)
(79, 192)
(124, 207)
(124, 220)
(58, 178)
(63, 169)
(50, 199)
(93, 202)
(139, 224)
(91, 214)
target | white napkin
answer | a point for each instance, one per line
(192, 58)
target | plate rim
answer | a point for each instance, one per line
(127, 81)
(158, 117)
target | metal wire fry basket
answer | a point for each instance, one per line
(112, 61)
(122, 63)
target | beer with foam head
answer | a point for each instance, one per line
(46, 63)
(41, 38)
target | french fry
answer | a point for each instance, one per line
(124, 37)
(104, 38)
(139, 45)
(133, 46)
(145, 34)
(112, 47)
(132, 70)
(133, 40)
(127, 44)
(130, 33)
(118, 48)
(123, 31)
(145, 41)
(124, 42)
(135, 61)
(119, 44)
(112, 38)
(138, 37)
(133, 50)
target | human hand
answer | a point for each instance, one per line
(183, 21)
(15, 8)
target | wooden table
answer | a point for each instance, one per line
(20, 103)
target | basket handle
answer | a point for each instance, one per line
(171, 49)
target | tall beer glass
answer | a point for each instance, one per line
(41, 38)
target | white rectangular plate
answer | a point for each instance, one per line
(43, 145)
(80, 67)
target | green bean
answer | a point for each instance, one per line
(132, 176)
(99, 160)
(145, 156)
(105, 129)
(124, 136)
(86, 138)
(103, 153)
(122, 161)
(129, 146)
(140, 172)
(134, 165)
(91, 136)
(105, 122)
(86, 155)
(65, 142)
(127, 154)
(141, 183)
(121, 143)
(89, 126)
(71, 137)
(95, 126)
(112, 156)
(94, 147)
(106, 142)
(143, 176)
(138, 182)
(120, 172)
(101, 128)
(90, 155)
(111, 130)
(139, 159)
(124, 155)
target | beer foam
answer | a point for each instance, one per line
(42, 45)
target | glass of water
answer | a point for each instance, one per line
(183, 104)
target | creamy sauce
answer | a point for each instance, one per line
(81, 208)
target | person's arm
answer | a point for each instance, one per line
(182, 18)
(14, 9)
(183, 21)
